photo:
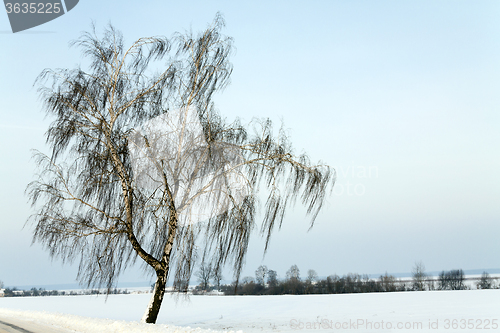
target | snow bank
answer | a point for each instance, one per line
(73, 323)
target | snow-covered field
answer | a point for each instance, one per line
(436, 311)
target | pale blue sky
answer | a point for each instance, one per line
(408, 90)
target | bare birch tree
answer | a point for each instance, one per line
(204, 275)
(143, 166)
(260, 274)
(419, 276)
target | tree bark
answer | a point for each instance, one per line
(153, 308)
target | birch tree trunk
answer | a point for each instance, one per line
(151, 313)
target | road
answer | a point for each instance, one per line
(10, 325)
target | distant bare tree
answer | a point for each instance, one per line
(293, 273)
(312, 276)
(311, 279)
(217, 277)
(419, 276)
(457, 279)
(484, 282)
(331, 283)
(204, 275)
(1, 284)
(388, 282)
(143, 165)
(260, 274)
(272, 278)
(430, 282)
(452, 280)
(293, 284)
(443, 281)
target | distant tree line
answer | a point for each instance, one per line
(447, 280)
(33, 292)
(266, 282)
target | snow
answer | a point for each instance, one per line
(360, 312)
(72, 323)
